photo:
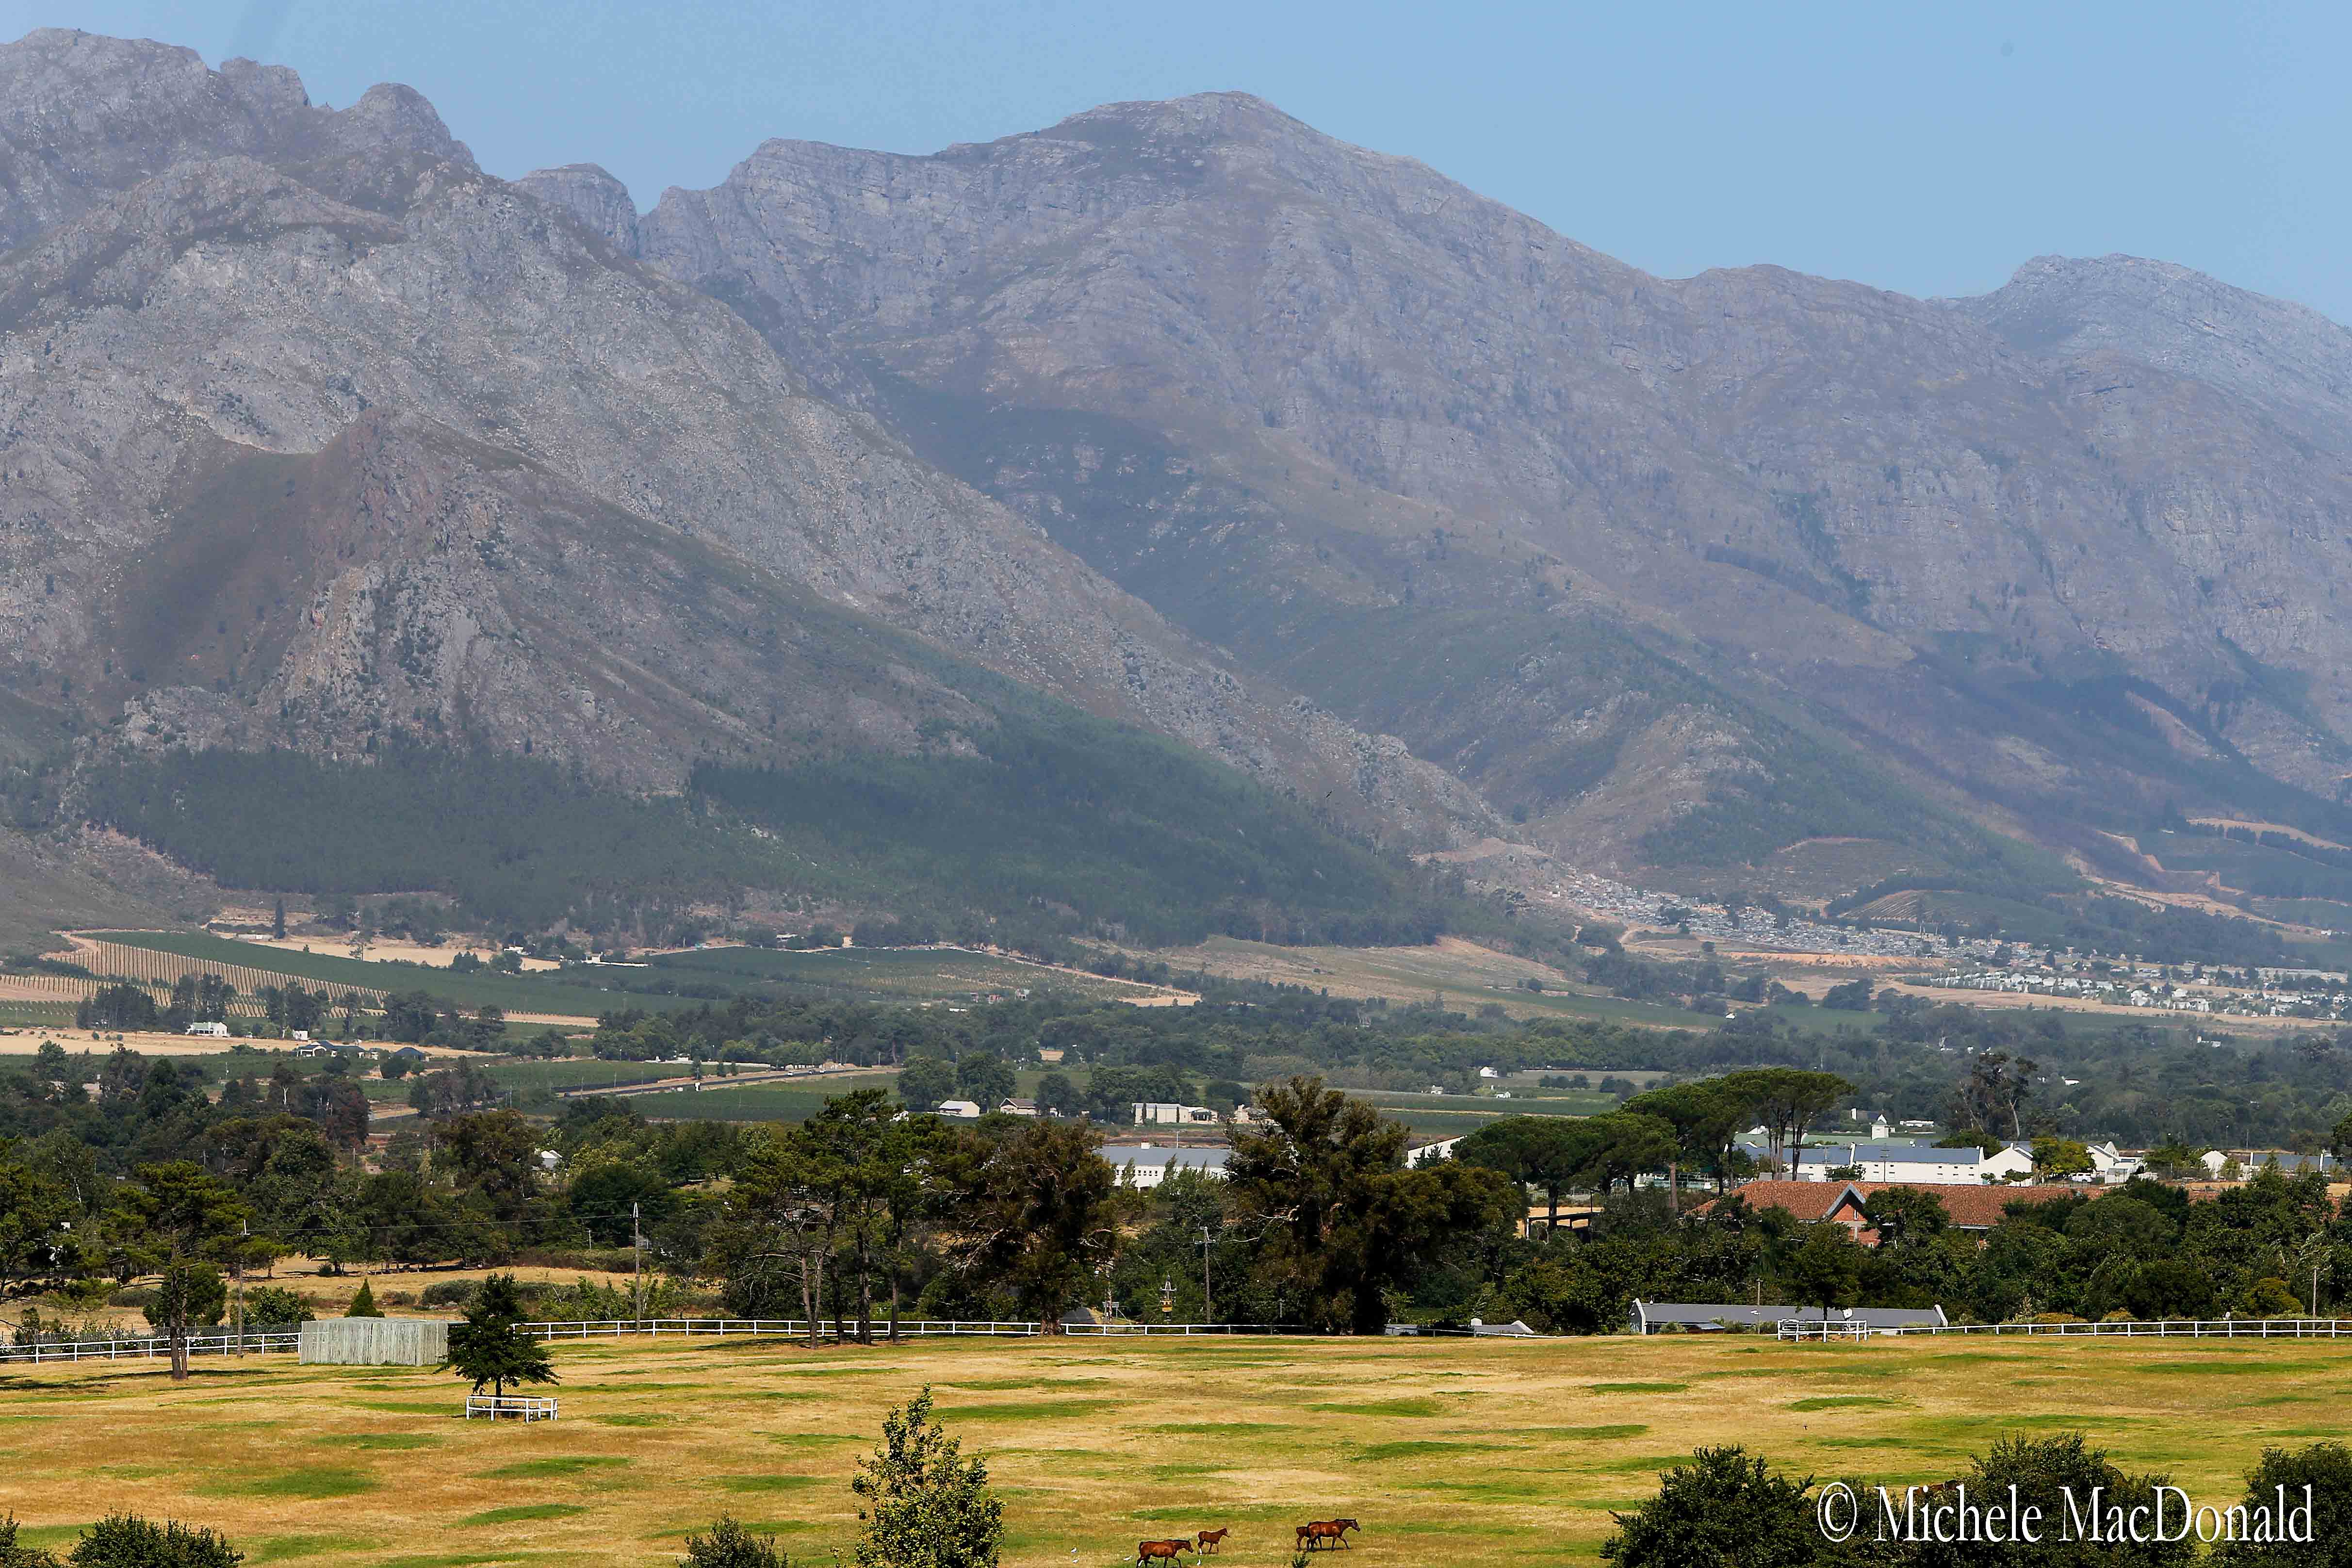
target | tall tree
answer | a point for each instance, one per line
(781, 1214)
(175, 1220)
(1551, 1154)
(1825, 1269)
(1341, 1220)
(490, 1346)
(1787, 1100)
(37, 1224)
(1706, 1116)
(1037, 1209)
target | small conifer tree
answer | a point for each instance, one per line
(490, 1347)
(363, 1304)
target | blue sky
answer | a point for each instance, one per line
(1923, 148)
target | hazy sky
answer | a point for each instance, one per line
(1923, 148)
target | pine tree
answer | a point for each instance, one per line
(490, 1347)
(363, 1304)
(277, 919)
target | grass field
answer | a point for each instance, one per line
(1462, 974)
(760, 1102)
(910, 974)
(1463, 1453)
(514, 993)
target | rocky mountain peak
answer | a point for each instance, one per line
(590, 193)
(83, 116)
(2174, 319)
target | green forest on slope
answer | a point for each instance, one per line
(1060, 824)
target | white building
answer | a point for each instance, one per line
(961, 1110)
(210, 1031)
(1147, 1166)
(1910, 1165)
(1163, 1114)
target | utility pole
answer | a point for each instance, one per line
(243, 1232)
(1209, 1311)
(637, 1261)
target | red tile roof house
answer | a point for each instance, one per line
(1974, 1209)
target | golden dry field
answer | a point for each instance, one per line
(1450, 1451)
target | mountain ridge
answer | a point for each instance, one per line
(1356, 385)
(1182, 413)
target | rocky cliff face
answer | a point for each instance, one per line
(312, 431)
(2054, 556)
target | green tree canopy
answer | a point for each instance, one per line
(175, 1219)
(490, 1346)
(1341, 1221)
(923, 1503)
(1037, 1210)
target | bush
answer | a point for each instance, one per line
(447, 1293)
(1723, 1509)
(14, 1556)
(924, 1504)
(126, 1541)
(363, 1303)
(2326, 1470)
(272, 1305)
(730, 1545)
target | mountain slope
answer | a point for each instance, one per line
(2050, 559)
(316, 435)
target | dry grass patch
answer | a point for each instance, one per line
(1525, 1448)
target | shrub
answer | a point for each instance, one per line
(126, 1541)
(14, 1556)
(2326, 1470)
(271, 1305)
(924, 1504)
(363, 1303)
(447, 1293)
(1723, 1509)
(730, 1545)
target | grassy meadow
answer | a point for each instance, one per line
(1458, 1452)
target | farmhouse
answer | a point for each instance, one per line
(1973, 1209)
(1163, 1114)
(1711, 1317)
(1148, 1166)
(210, 1031)
(1904, 1165)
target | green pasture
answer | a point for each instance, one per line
(1473, 1454)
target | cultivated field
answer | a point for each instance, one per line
(1463, 974)
(1450, 1452)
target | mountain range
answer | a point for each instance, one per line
(1423, 526)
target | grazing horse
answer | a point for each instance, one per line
(1160, 1550)
(1312, 1535)
(1213, 1539)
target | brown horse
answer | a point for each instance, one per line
(1160, 1550)
(1314, 1533)
(1213, 1539)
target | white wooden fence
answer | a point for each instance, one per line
(2175, 1327)
(511, 1406)
(256, 1341)
(280, 1341)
